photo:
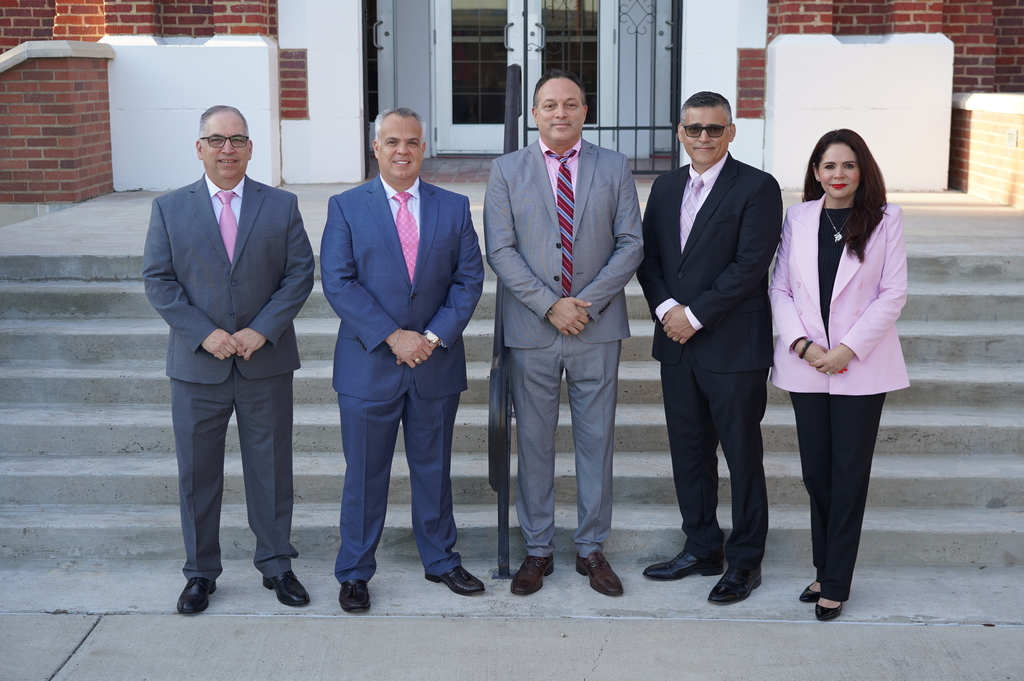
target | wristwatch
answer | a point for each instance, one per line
(432, 338)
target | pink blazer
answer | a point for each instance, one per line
(866, 301)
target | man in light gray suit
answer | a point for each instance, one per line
(563, 233)
(228, 265)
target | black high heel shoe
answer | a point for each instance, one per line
(809, 596)
(825, 614)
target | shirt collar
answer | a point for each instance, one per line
(237, 189)
(390, 191)
(711, 174)
(545, 148)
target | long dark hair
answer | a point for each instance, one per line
(869, 201)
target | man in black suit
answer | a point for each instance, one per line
(710, 231)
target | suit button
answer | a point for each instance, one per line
(556, 277)
(231, 314)
(558, 245)
(234, 283)
(679, 275)
(414, 296)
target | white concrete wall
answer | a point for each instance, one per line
(159, 87)
(329, 146)
(894, 90)
(712, 32)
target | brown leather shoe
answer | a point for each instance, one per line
(532, 572)
(603, 579)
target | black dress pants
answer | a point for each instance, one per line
(837, 435)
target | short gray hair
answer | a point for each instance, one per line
(706, 100)
(402, 112)
(220, 108)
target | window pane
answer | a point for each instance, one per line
(478, 61)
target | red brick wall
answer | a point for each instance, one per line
(1009, 32)
(25, 20)
(786, 17)
(80, 20)
(969, 24)
(244, 18)
(186, 18)
(750, 81)
(130, 17)
(55, 121)
(980, 163)
(294, 84)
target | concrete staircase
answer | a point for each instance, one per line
(87, 467)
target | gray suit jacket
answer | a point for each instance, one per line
(197, 290)
(523, 243)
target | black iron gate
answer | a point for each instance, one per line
(646, 53)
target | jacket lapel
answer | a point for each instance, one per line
(726, 179)
(584, 179)
(428, 224)
(377, 202)
(804, 244)
(202, 204)
(542, 181)
(252, 201)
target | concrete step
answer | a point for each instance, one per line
(145, 382)
(99, 340)
(994, 266)
(990, 301)
(641, 478)
(131, 429)
(641, 533)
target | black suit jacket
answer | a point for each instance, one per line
(722, 273)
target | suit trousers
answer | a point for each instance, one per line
(200, 414)
(369, 431)
(837, 436)
(592, 374)
(702, 408)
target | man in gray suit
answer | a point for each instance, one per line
(228, 265)
(563, 233)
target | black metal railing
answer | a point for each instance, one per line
(499, 411)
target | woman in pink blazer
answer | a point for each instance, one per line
(839, 284)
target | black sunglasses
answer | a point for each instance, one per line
(696, 130)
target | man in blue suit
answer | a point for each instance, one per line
(228, 266)
(401, 266)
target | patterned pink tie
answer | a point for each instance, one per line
(228, 224)
(408, 232)
(689, 212)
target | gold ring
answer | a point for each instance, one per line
(417, 360)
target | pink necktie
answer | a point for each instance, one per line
(228, 224)
(565, 202)
(408, 233)
(689, 212)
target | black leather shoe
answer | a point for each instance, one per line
(354, 595)
(809, 596)
(825, 614)
(735, 585)
(196, 595)
(459, 581)
(289, 590)
(682, 565)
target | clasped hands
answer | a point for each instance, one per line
(677, 325)
(569, 315)
(409, 347)
(222, 344)
(826, 361)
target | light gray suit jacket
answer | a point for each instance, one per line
(197, 289)
(523, 243)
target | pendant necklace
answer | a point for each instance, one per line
(838, 232)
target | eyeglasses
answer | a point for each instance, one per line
(696, 130)
(238, 141)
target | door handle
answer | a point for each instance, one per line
(376, 42)
(671, 31)
(508, 48)
(543, 37)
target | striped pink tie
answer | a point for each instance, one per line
(565, 204)
(228, 224)
(689, 212)
(408, 232)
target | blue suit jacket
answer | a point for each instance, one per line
(367, 283)
(197, 289)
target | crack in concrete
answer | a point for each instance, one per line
(600, 652)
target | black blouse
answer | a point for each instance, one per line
(830, 252)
